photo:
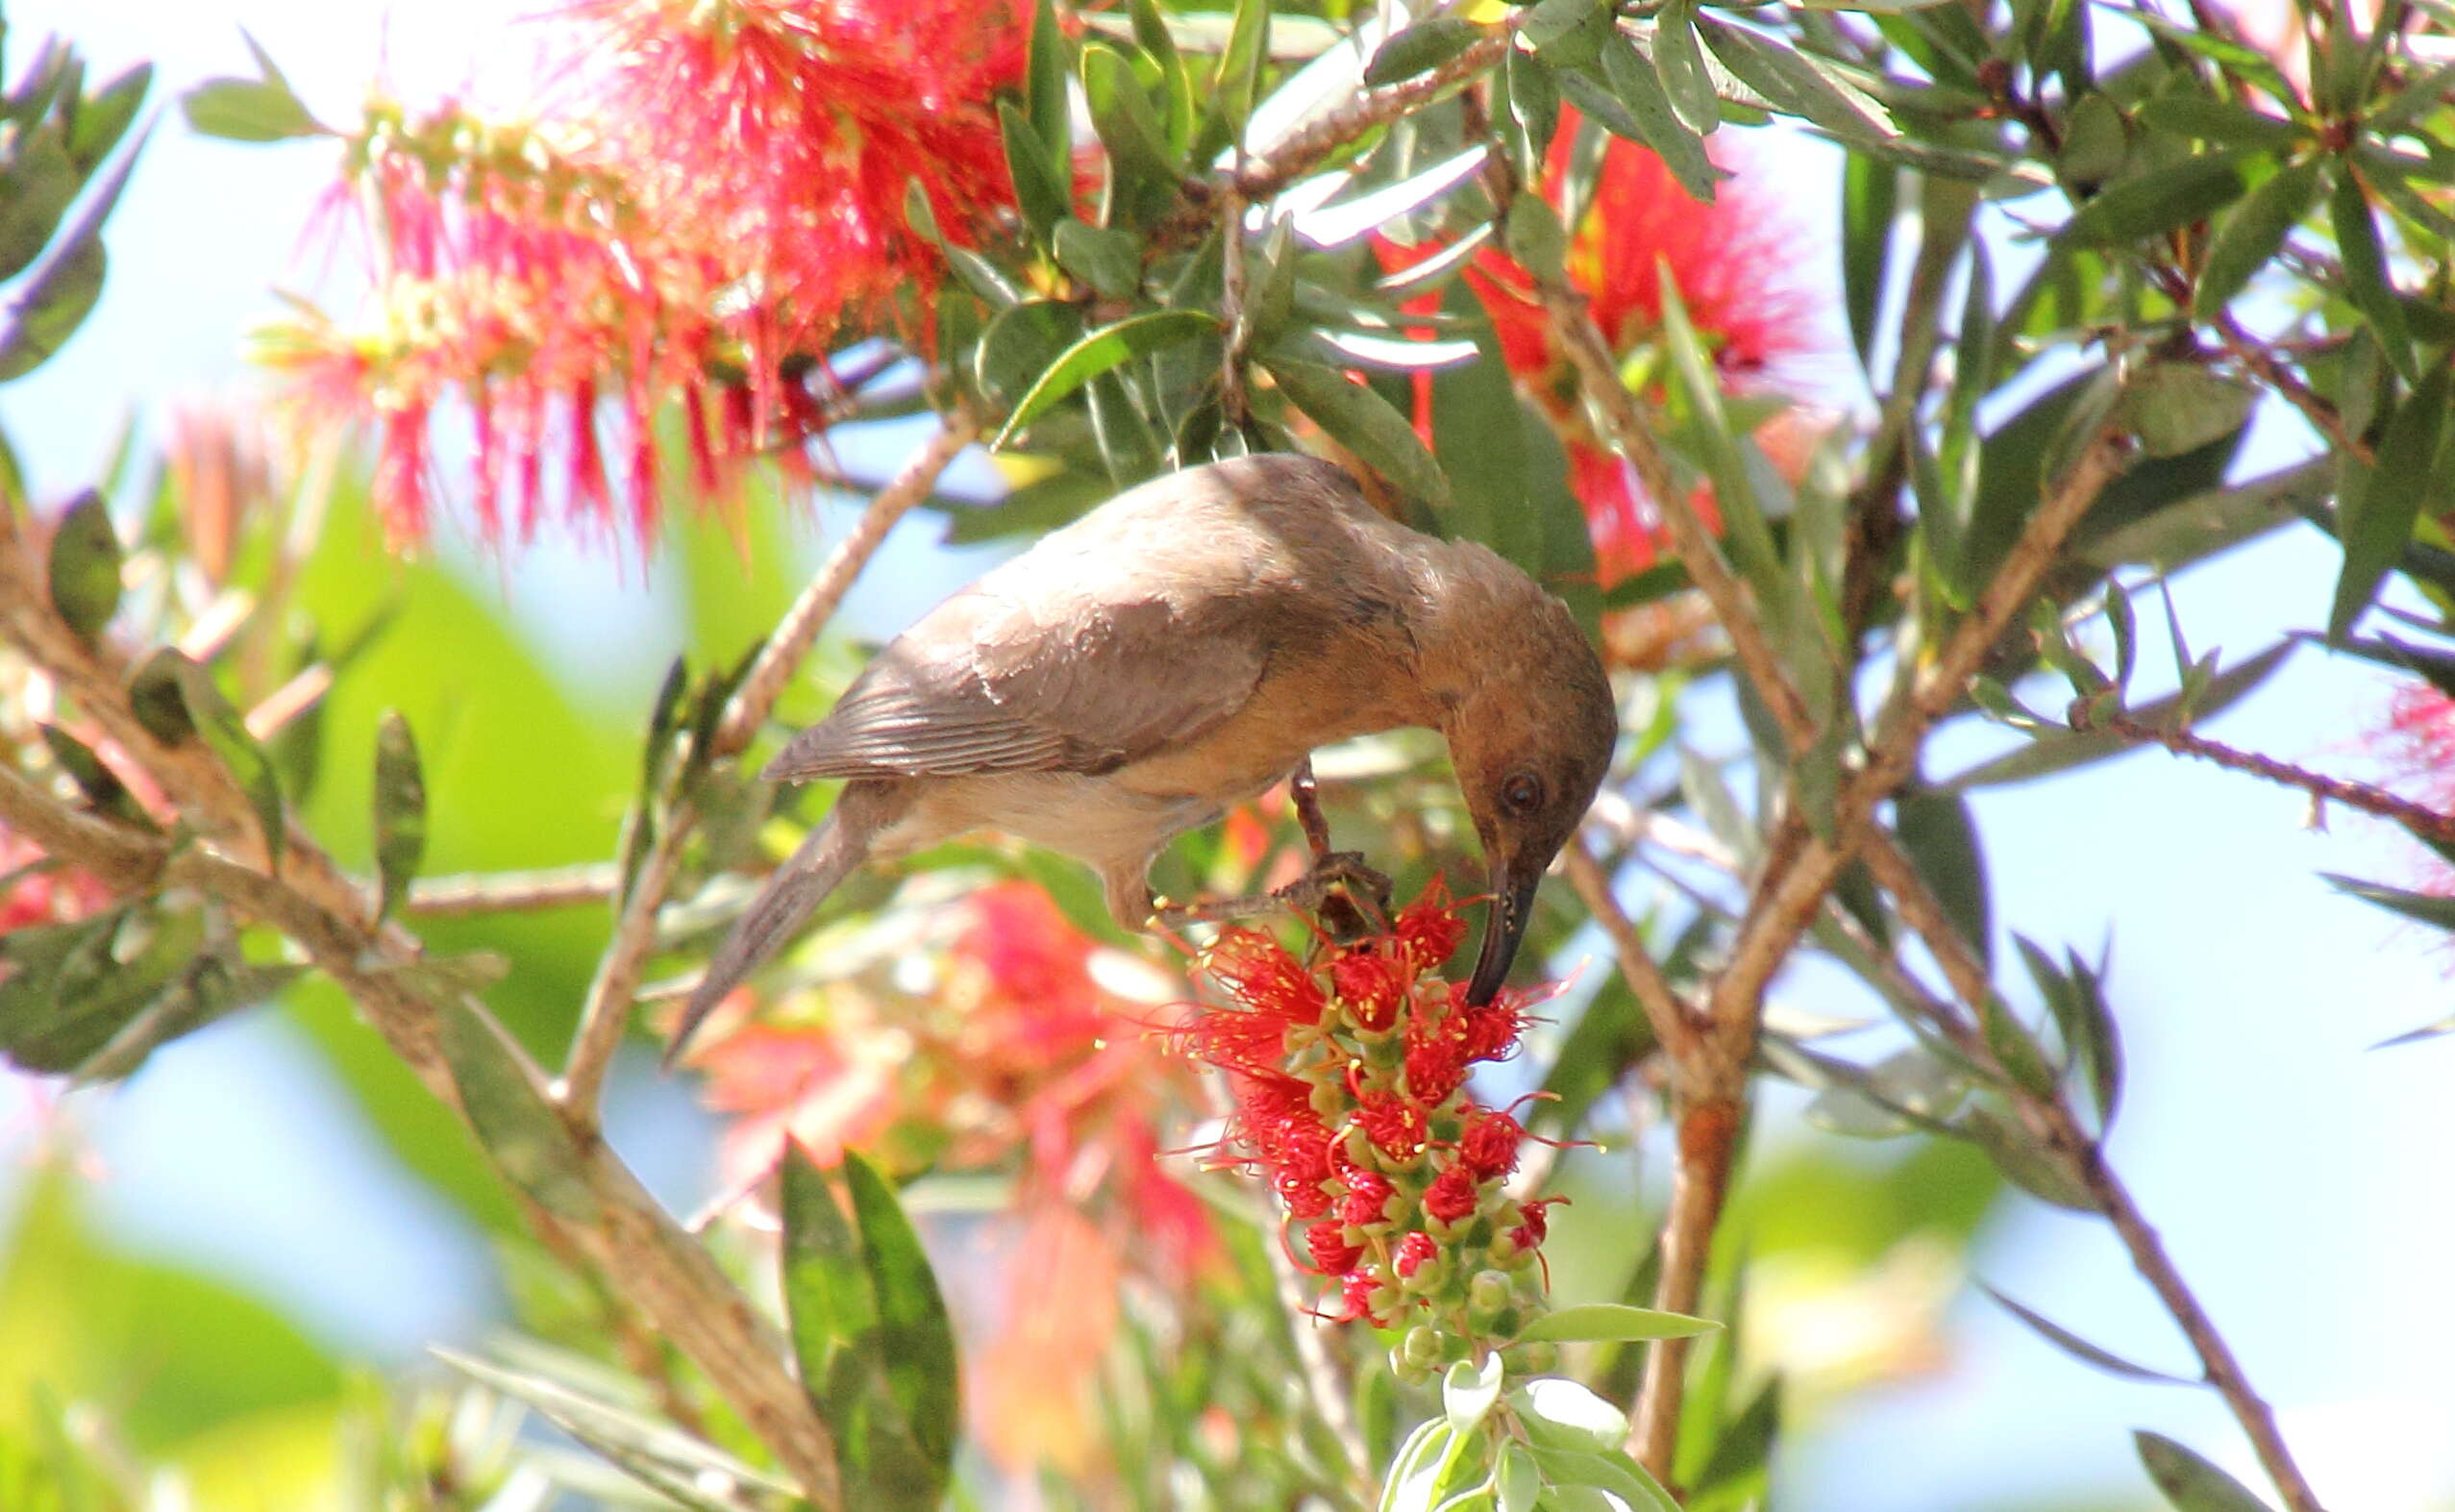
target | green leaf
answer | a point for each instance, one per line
(104, 117)
(1517, 1480)
(2252, 233)
(915, 1332)
(2064, 749)
(2378, 505)
(1110, 261)
(2032, 1169)
(202, 710)
(204, 990)
(400, 811)
(1420, 48)
(86, 567)
(523, 1135)
(40, 184)
(2205, 118)
(1040, 192)
(2082, 1350)
(1564, 1415)
(1468, 1391)
(1046, 97)
(2157, 201)
(2365, 279)
(50, 306)
(870, 1335)
(1531, 110)
(1536, 239)
(575, 1398)
(1869, 199)
(1795, 83)
(1021, 343)
(1592, 1474)
(2190, 1482)
(2174, 408)
(1237, 83)
(1589, 1321)
(1659, 127)
(1102, 351)
(2437, 912)
(1940, 835)
(1567, 32)
(1143, 173)
(1362, 421)
(1682, 66)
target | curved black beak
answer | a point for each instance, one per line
(1504, 928)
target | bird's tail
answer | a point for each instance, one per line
(823, 860)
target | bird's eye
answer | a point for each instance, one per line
(1522, 792)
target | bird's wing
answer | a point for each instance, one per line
(1057, 682)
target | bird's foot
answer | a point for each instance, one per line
(1349, 897)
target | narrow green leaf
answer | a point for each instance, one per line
(2376, 515)
(2252, 233)
(2064, 749)
(1100, 352)
(1237, 83)
(522, 1133)
(1021, 343)
(1940, 833)
(400, 811)
(1536, 239)
(1361, 420)
(1110, 261)
(1795, 83)
(2080, 1348)
(1682, 66)
(2016, 1154)
(1745, 528)
(2157, 201)
(2176, 407)
(1420, 48)
(41, 181)
(2206, 118)
(1048, 72)
(2189, 1481)
(2437, 912)
(1143, 173)
(1593, 1321)
(1659, 127)
(153, 697)
(1567, 32)
(1040, 194)
(50, 306)
(915, 1336)
(104, 118)
(85, 567)
(1869, 201)
(828, 1299)
(1531, 113)
(2365, 279)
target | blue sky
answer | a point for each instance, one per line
(2296, 1176)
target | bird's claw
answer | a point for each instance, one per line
(1347, 897)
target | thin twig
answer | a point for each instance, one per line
(607, 1012)
(2421, 820)
(2148, 1257)
(794, 636)
(513, 892)
(1301, 151)
(1672, 1024)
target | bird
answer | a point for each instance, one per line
(1181, 649)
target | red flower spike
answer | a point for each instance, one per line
(1414, 1251)
(1355, 1293)
(1258, 972)
(1492, 1030)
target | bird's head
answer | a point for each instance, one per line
(1530, 724)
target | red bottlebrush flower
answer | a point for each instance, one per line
(721, 198)
(1369, 987)
(1535, 1225)
(1451, 1196)
(62, 895)
(1337, 1116)
(1733, 261)
(1492, 1030)
(1325, 1243)
(1489, 1145)
(2419, 743)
